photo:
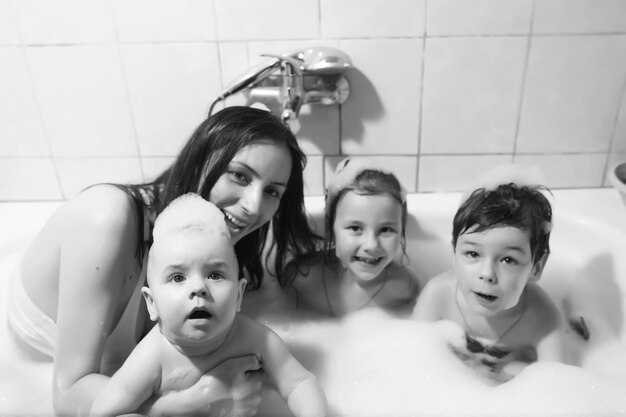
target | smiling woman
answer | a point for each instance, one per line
(250, 192)
(84, 271)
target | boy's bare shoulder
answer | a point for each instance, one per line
(434, 300)
(444, 282)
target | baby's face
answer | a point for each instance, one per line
(367, 231)
(493, 267)
(194, 290)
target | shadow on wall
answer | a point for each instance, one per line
(364, 104)
(596, 295)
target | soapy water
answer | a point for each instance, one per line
(373, 364)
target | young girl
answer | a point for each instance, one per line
(83, 273)
(364, 262)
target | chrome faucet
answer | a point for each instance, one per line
(284, 83)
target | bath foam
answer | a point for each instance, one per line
(372, 365)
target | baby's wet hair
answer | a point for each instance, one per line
(190, 212)
(508, 205)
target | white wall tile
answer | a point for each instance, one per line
(619, 137)
(171, 86)
(234, 61)
(382, 114)
(568, 170)
(21, 131)
(478, 17)
(372, 18)
(75, 174)
(8, 24)
(152, 167)
(314, 176)
(45, 22)
(579, 16)
(472, 90)
(83, 100)
(572, 93)
(403, 167)
(28, 179)
(450, 173)
(165, 20)
(268, 19)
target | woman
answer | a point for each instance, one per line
(77, 298)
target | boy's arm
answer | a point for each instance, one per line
(296, 385)
(432, 301)
(133, 383)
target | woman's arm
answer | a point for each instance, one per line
(231, 388)
(98, 236)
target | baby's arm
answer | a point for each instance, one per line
(133, 383)
(433, 300)
(296, 385)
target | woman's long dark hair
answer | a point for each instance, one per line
(206, 156)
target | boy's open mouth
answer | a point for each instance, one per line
(199, 313)
(486, 297)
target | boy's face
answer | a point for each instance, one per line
(367, 231)
(493, 267)
(194, 290)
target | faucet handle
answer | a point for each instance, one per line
(293, 86)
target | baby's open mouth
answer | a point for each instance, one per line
(486, 297)
(199, 313)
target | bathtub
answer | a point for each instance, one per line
(371, 364)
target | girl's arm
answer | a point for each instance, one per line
(99, 233)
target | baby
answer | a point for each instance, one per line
(194, 293)
(500, 239)
(365, 240)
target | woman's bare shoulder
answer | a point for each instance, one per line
(104, 213)
(102, 204)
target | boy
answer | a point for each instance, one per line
(500, 239)
(194, 292)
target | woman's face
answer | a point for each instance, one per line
(250, 190)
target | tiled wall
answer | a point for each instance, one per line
(108, 90)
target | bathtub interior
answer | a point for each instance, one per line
(370, 364)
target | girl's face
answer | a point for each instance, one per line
(194, 290)
(250, 190)
(493, 267)
(367, 231)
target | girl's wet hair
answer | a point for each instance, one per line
(508, 205)
(366, 182)
(206, 156)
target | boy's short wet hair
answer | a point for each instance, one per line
(508, 205)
